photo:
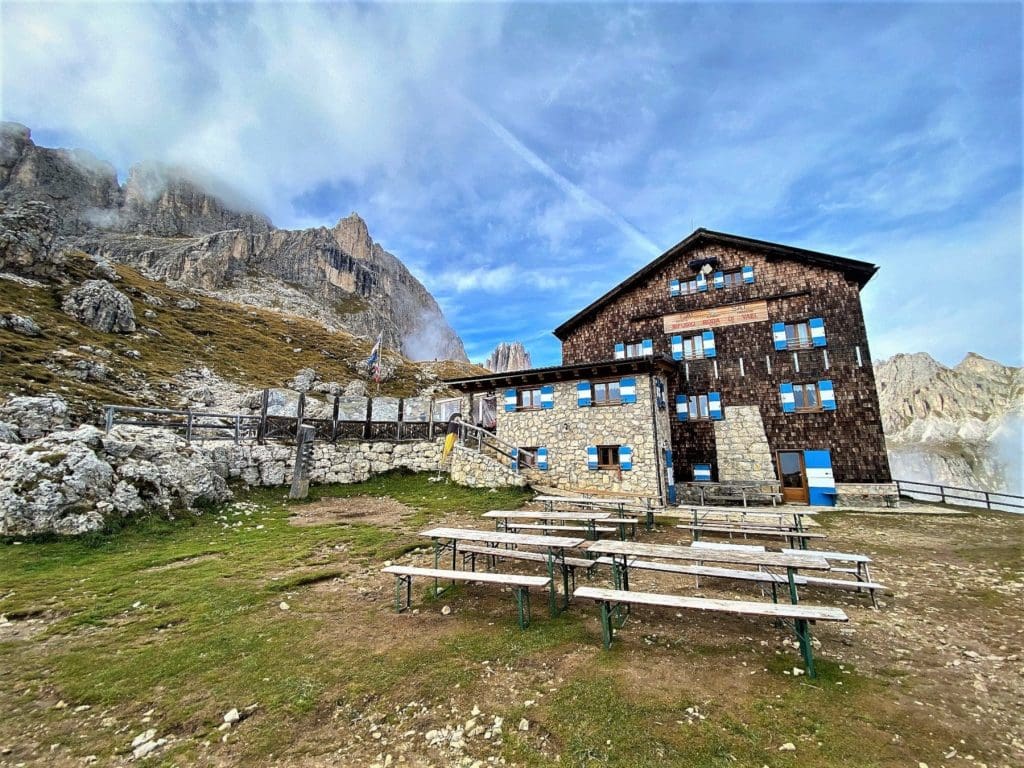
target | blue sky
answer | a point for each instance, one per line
(523, 159)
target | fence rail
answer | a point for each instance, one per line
(946, 494)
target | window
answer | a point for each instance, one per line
(693, 347)
(635, 349)
(806, 397)
(528, 398)
(608, 456)
(732, 279)
(605, 393)
(798, 335)
(699, 407)
(527, 457)
(686, 287)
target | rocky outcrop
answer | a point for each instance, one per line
(508, 357)
(102, 307)
(960, 426)
(20, 324)
(27, 238)
(166, 223)
(77, 481)
(30, 418)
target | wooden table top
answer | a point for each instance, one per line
(688, 509)
(501, 537)
(586, 500)
(673, 552)
(526, 514)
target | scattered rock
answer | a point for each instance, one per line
(232, 716)
(303, 381)
(524, 724)
(102, 307)
(186, 304)
(284, 606)
(21, 324)
(446, 610)
(789, 746)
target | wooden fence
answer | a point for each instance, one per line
(970, 497)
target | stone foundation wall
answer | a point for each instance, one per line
(468, 467)
(853, 495)
(743, 452)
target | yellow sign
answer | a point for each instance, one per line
(736, 314)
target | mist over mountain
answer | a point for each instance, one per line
(170, 224)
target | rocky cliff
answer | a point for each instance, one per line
(165, 223)
(508, 357)
(960, 426)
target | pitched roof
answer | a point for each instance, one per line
(490, 381)
(861, 271)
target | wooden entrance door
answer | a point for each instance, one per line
(793, 476)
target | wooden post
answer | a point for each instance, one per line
(300, 411)
(188, 427)
(261, 430)
(334, 420)
(430, 420)
(367, 427)
(401, 415)
(238, 428)
(304, 439)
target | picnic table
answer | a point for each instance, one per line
(554, 546)
(750, 520)
(752, 489)
(618, 504)
(621, 552)
(587, 522)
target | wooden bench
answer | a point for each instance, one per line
(520, 585)
(728, 547)
(594, 529)
(471, 551)
(861, 571)
(734, 574)
(783, 532)
(800, 615)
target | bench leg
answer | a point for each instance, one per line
(803, 633)
(400, 582)
(523, 606)
(791, 576)
(606, 624)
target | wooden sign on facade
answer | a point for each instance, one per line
(701, 319)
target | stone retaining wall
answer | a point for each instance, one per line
(343, 462)
(851, 495)
(468, 467)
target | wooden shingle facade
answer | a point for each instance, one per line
(754, 328)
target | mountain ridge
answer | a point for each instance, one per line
(165, 224)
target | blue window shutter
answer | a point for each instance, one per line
(510, 400)
(583, 394)
(748, 274)
(719, 279)
(547, 396)
(786, 394)
(542, 458)
(591, 457)
(702, 473)
(779, 335)
(625, 458)
(647, 347)
(817, 331)
(677, 347)
(620, 351)
(702, 282)
(828, 395)
(715, 406)
(514, 462)
(627, 389)
(709, 343)
(682, 408)
(673, 288)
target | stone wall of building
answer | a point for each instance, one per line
(567, 429)
(476, 470)
(742, 446)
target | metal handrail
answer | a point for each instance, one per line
(944, 494)
(492, 441)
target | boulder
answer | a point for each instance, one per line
(102, 307)
(27, 244)
(21, 324)
(303, 381)
(33, 417)
(77, 481)
(8, 433)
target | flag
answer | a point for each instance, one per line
(373, 361)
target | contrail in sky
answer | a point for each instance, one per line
(580, 196)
